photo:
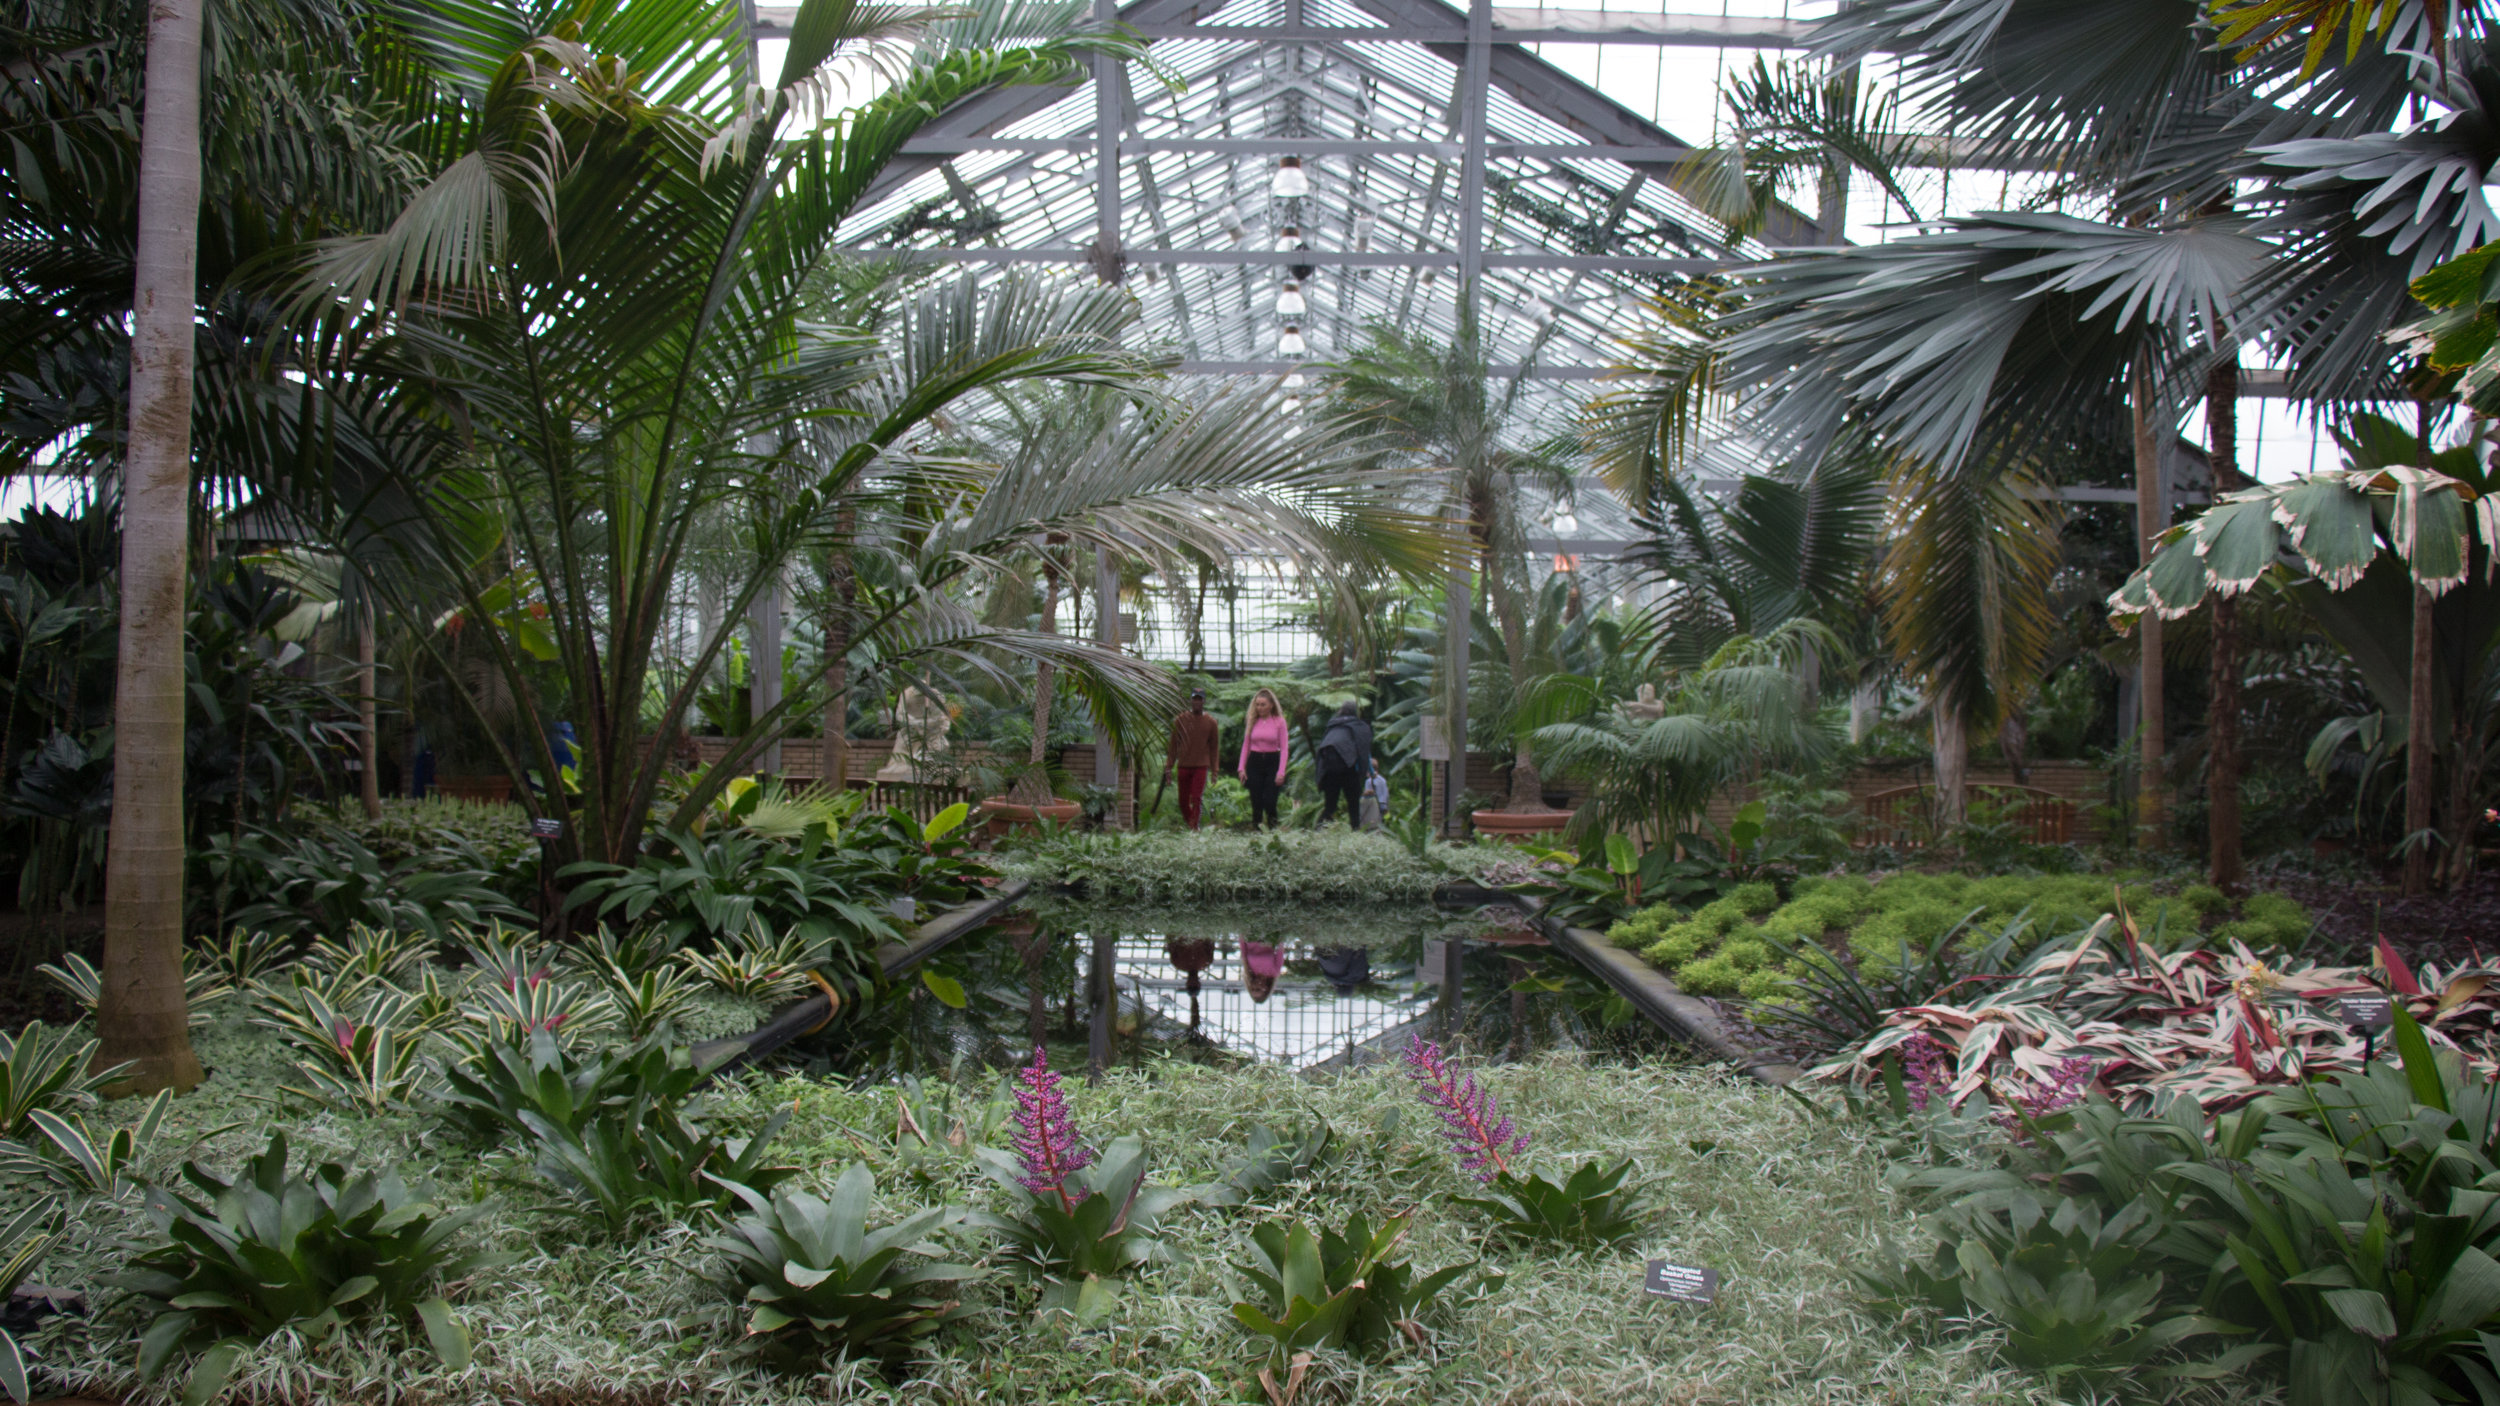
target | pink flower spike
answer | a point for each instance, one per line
(1046, 1140)
(1481, 1139)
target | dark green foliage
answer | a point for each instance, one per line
(308, 1251)
(320, 878)
(1107, 1222)
(486, 1092)
(648, 1161)
(817, 1278)
(1273, 1159)
(1590, 1208)
(712, 890)
(2348, 1228)
(25, 1239)
(1339, 1290)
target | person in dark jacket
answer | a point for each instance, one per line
(1345, 763)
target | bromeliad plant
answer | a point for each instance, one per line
(1274, 1159)
(310, 1251)
(1072, 1214)
(1588, 1208)
(818, 1278)
(1345, 1290)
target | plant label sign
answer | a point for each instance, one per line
(1683, 1283)
(2367, 1012)
(547, 827)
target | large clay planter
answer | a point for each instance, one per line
(1517, 825)
(485, 790)
(1004, 815)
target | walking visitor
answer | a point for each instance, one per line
(1375, 798)
(1192, 752)
(1345, 764)
(1266, 747)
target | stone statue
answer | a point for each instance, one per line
(1645, 707)
(920, 724)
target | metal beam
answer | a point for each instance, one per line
(1302, 146)
(1553, 94)
(1340, 258)
(1510, 26)
(1286, 368)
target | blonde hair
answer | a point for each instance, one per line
(1269, 698)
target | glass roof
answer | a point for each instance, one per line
(1567, 321)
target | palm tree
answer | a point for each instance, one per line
(1163, 482)
(2361, 548)
(1962, 346)
(592, 315)
(1435, 404)
(1742, 713)
(141, 1014)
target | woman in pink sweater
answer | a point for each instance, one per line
(1266, 745)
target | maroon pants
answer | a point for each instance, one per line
(1193, 792)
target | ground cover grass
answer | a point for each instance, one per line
(1331, 864)
(1720, 948)
(1783, 1203)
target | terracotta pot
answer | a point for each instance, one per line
(1518, 824)
(486, 790)
(1003, 815)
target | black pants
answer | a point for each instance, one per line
(1347, 783)
(1265, 784)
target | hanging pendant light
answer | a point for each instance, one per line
(1289, 303)
(1291, 182)
(1289, 238)
(1365, 225)
(1230, 219)
(1291, 344)
(1291, 405)
(1295, 382)
(1565, 524)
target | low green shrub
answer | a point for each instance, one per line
(1589, 1209)
(1282, 866)
(817, 1278)
(1342, 1290)
(1730, 946)
(306, 1251)
(2345, 1232)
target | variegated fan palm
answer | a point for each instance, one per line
(2394, 560)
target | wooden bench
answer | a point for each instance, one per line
(1905, 816)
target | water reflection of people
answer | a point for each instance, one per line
(1261, 964)
(1345, 967)
(1192, 955)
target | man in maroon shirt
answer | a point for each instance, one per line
(1192, 750)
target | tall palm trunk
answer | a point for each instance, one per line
(2151, 516)
(368, 745)
(1033, 788)
(1949, 725)
(842, 592)
(2222, 709)
(2421, 751)
(141, 1016)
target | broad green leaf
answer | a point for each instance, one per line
(443, 1330)
(208, 1375)
(2413, 1048)
(947, 989)
(2365, 1311)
